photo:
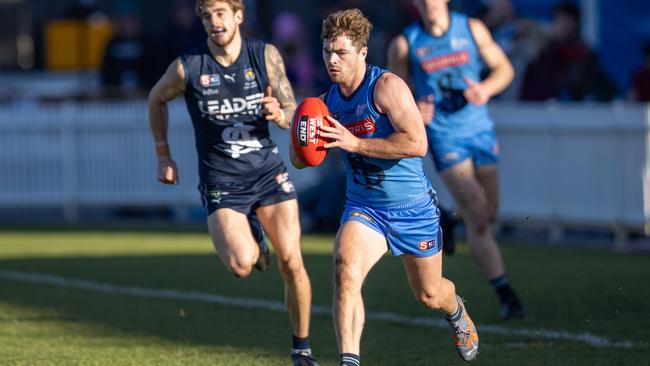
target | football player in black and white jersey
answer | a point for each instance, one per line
(233, 86)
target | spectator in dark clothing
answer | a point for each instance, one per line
(640, 89)
(290, 36)
(566, 69)
(520, 39)
(82, 9)
(184, 32)
(127, 67)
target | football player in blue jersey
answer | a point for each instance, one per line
(442, 55)
(234, 86)
(390, 205)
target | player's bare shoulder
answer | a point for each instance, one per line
(389, 89)
(480, 32)
(171, 84)
(398, 48)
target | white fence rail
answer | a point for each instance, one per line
(561, 164)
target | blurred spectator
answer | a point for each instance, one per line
(184, 31)
(501, 19)
(566, 68)
(520, 39)
(82, 9)
(252, 26)
(290, 37)
(640, 89)
(127, 68)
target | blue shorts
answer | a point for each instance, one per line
(247, 195)
(482, 148)
(412, 228)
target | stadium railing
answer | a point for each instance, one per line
(562, 164)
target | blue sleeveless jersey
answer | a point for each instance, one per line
(371, 181)
(438, 66)
(232, 136)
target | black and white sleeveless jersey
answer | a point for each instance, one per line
(232, 136)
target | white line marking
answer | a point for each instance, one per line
(561, 335)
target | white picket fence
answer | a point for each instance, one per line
(562, 165)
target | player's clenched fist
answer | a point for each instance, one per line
(167, 171)
(475, 92)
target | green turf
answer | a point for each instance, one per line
(578, 291)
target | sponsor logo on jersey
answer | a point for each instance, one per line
(423, 51)
(250, 85)
(459, 43)
(362, 128)
(208, 92)
(445, 61)
(240, 140)
(229, 77)
(425, 245)
(221, 109)
(249, 75)
(207, 80)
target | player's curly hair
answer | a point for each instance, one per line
(202, 4)
(350, 23)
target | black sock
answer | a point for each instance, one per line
(349, 359)
(502, 287)
(300, 345)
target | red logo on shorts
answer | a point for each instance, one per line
(425, 245)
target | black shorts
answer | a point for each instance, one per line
(246, 196)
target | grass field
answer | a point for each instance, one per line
(584, 307)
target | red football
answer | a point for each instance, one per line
(305, 136)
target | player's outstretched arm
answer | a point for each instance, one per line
(393, 98)
(278, 103)
(501, 70)
(170, 85)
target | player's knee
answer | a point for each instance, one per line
(430, 299)
(479, 220)
(240, 268)
(291, 266)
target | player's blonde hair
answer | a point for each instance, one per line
(202, 4)
(350, 23)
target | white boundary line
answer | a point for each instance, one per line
(560, 335)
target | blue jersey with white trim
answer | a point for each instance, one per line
(372, 181)
(438, 66)
(232, 135)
